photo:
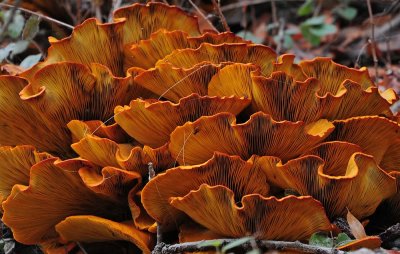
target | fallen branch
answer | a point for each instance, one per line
(390, 234)
(39, 15)
(209, 245)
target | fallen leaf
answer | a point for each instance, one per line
(356, 228)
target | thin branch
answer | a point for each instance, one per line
(217, 8)
(242, 3)
(97, 10)
(208, 245)
(152, 174)
(81, 248)
(372, 39)
(280, 36)
(390, 234)
(115, 5)
(200, 12)
(274, 16)
(39, 15)
(357, 62)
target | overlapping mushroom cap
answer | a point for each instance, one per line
(232, 125)
(212, 191)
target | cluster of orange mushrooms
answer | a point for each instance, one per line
(228, 127)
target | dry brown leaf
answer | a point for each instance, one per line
(356, 228)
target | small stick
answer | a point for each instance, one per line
(39, 15)
(152, 174)
(217, 7)
(372, 40)
(274, 16)
(390, 234)
(202, 15)
(81, 248)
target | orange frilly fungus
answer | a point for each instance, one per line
(224, 129)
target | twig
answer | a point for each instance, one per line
(357, 62)
(242, 3)
(81, 248)
(274, 16)
(200, 12)
(9, 20)
(97, 9)
(39, 15)
(115, 5)
(280, 37)
(388, 51)
(372, 39)
(152, 174)
(208, 245)
(217, 8)
(390, 234)
(318, 8)
(67, 7)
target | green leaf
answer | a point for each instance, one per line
(314, 21)
(17, 24)
(347, 12)
(306, 8)
(12, 49)
(5, 52)
(215, 243)
(313, 39)
(19, 47)
(288, 41)
(342, 239)
(320, 239)
(323, 30)
(30, 61)
(236, 243)
(31, 28)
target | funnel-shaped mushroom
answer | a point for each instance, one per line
(285, 98)
(175, 83)
(111, 182)
(260, 55)
(55, 192)
(391, 158)
(151, 122)
(358, 187)
(131, 24)
(105, 152)
(80, 129)
(196, 142)
(289, 218)
(331, 75)
(15, 165)
(146, 53)
(239, 176)
(89, 228)
(95, 93)
(144, 19)
(372, 133)
(19, 120)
